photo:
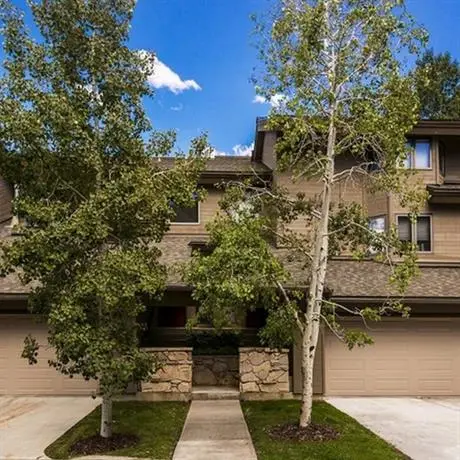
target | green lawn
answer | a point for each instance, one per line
(158, 425)
(355, 442)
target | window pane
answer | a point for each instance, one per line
(172, 316)
(422, 154)
(377, 224)
(404, 228)
(186, 215)
(408, 159)
(424, 233)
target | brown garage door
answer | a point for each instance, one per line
(18, 377)
(414, 357)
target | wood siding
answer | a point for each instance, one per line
(6, 196)
(268, 154)
(451, 147)
(207, 210)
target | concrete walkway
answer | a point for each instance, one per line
(215, 430)
(29, 424)
(424, 429)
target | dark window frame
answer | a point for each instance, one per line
(414, 239)
(179, 209)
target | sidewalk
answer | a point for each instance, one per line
(215, 430)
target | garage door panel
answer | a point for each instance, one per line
(353, 386)
(347, 365)
(391, 365)
(17, 376)
(438, 385)
(392, 385)
(419, 359)
(435, 365)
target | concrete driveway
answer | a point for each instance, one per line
(424, 429)
(29, 424)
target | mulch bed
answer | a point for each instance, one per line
(314, 432)
(98, 445)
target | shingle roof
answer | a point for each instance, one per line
(348, 278)
(345, 278)
(224, 164)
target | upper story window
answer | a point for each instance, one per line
(187, 215)
(417, 232)
(377, 224)
(419, 156)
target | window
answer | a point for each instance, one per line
(377, 224)
(186, 215)
(442, 158)
(418, 232)
(419, 155)
(172, 316)
(257, 318)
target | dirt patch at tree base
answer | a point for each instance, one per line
(314, 432)
(99, 445)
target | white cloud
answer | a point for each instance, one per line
(243, 150)
(275, 101)
(216, 153)
(258, 99)
(177, 108)
(238, 151)
(164, 77)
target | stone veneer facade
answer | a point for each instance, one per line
(174, 379)
(264, 371)
(216, 370)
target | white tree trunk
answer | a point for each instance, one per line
(106, 417)
(321, 244)
(317, 282)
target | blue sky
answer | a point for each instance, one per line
(205, 46)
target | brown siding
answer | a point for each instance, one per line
(377, 204)
(452, 157)
(208, 209)
(268, 155)
(446, 231)
(6, 197)
(348, 190)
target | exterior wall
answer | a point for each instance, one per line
(207, 210)
(6, 196)
(174, 376)
(216, 370)
(445, 232)
(445, 218)
(350, 189)
(452, 156)
(268, 155)
(264, 370)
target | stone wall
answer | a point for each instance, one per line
(215, 370)
(264, 370)
(175, 375)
